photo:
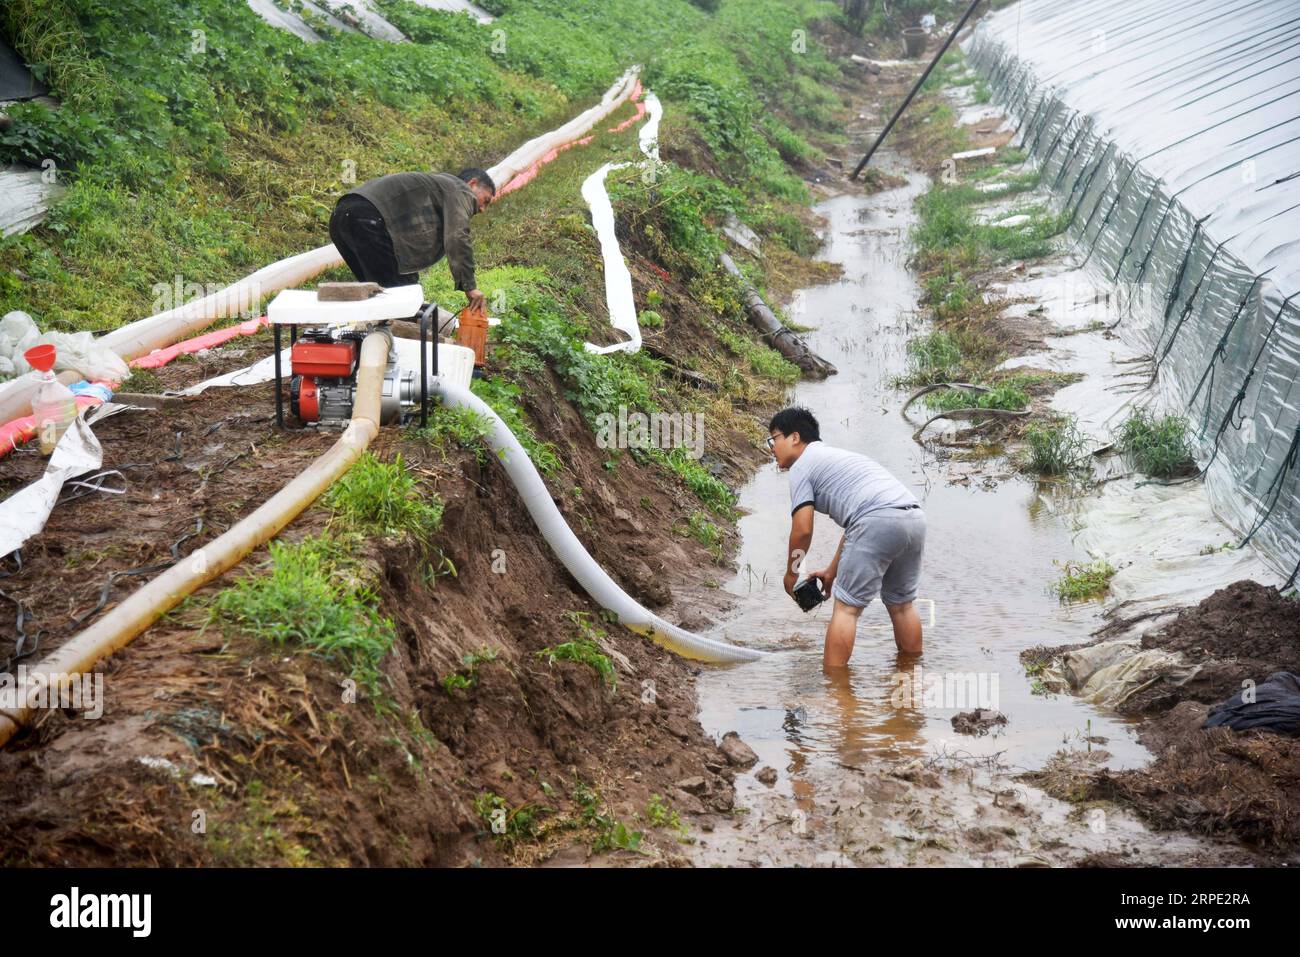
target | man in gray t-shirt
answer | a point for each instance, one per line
(884, 532)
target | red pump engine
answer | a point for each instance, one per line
(324, 377)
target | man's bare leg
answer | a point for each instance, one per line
(840, 635)
(907, 627)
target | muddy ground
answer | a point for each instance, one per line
(1241, 785)
(259, 742)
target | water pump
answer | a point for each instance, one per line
(323, 357)
(323, 364)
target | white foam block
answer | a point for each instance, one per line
(300, 307)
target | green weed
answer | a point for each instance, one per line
(468, 676)
(307, 596)
(583, 648)
(384, 498)
(1083, 581)
(934, 357)
(509, 825)
(1003, 395)
(1056, 447)
(1159, 447)
(611, 834)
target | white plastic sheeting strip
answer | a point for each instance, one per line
(263, 370)
(618, 280)
(650, 132)
(1165, 540)
(25, 198)
(570, 551)
(366, 17)
(458, 6)
(24, 513)
(295, 24)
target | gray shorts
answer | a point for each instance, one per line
(882, 556)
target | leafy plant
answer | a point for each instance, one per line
(464, 427)
(583, 648)
(763, 360)
(509, 825)
(1056, 447)
(1083, 581)
(706, 533)
(659, 813)
(468, 676)
(1160, 447)
(504, 398)
(308, 595)
(1004, 395)
(610, 832)
(934, 357)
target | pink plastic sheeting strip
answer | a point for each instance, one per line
(160, 357)
(530, 174)
(640, 109)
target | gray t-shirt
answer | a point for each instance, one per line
(843, 484)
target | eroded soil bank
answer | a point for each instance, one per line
(217, 746)
(263, 746)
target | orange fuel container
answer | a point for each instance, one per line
(472, 333)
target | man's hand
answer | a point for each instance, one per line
(477, 301)
(789, 582)
(827, 578)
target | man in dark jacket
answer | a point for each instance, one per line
(388, 229)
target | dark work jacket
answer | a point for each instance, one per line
(427, 215)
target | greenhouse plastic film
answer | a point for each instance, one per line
(1170, 133)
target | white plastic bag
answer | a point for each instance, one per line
(76, 351)
(80, 352)
(18, 333)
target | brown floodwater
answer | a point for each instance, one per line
(992, 550)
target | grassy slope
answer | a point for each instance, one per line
(205, 164)
(202, 145)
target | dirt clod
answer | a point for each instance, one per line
(737, 751)
(978, 722)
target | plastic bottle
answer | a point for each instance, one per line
(53, 406)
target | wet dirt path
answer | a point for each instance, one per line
(859, 780)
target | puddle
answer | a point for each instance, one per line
(984, 598)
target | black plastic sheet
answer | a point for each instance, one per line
(16, 81)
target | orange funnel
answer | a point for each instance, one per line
(40, 358)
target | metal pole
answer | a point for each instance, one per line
(279, 402)
(899, 112)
